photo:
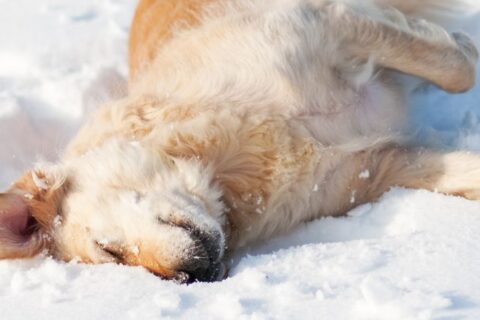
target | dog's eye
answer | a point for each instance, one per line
(166, 221)
(162, 220)
(114, 250)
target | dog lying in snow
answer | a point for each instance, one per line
(243, 120)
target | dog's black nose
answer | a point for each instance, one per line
(203, 263)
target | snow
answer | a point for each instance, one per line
(364, 174)
(412, 255)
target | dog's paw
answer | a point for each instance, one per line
(466, 45)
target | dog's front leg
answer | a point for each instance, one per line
(404, 44)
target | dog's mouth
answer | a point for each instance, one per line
(214, 273)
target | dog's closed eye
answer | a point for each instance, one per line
(170, 221)
(114, 250)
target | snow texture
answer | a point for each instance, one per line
(411, 255)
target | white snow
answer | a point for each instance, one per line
(364, 174)
(412, 255)
(353, 196)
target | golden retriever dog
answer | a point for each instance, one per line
(244, 118)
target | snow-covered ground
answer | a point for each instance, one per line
(412, 255)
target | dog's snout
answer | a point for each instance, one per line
(210, 239)
(202, 261)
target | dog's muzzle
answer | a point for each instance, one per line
(203, 262)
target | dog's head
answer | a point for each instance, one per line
(122, 203)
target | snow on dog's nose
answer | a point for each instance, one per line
(199, 260)
(203, 265)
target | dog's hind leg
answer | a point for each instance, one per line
(453, 173)
(404, 44)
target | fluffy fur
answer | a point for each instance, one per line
(243, 119)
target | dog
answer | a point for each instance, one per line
(243, 120)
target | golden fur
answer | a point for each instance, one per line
(243, 120)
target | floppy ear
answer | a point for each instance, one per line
(27, 213)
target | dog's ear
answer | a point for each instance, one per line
(27, 215)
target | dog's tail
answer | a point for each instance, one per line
(443, 12)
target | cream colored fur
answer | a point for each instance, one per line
(262, 117)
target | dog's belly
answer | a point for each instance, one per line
(374, 112)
